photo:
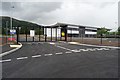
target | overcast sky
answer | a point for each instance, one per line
(99, 13)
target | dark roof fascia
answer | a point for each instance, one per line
(75, 25)
(81, 26)
(64, 25)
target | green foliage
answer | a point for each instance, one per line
(18, 23)
(0, 30)
(102, 31)
(3, 31)
(118, 30)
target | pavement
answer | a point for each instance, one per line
(97, 41)
(60, 60)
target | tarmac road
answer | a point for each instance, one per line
(60, 60)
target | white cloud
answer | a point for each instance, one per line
(88, 14)
(82, 12)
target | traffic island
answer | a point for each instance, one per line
(14, 47)
(13, 44)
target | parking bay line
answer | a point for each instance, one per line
(64, 48)
(89, 49)
(8, 60)
(35, 56)
(94, 49)
(75, 49)
(59, 53)
(20, 58)
(105, 48)
(48, 54)
(68, 52)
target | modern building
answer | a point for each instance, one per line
(56, 32)
(71, 30)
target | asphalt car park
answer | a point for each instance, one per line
(60, 60)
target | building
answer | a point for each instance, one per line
(56, 32)
(70, 30)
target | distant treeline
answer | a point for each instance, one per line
(24, 25)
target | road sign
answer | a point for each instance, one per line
(32, 33)
(12, 31)
(11, 39)
(63, 34)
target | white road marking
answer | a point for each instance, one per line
(89, 49)
(100, 49)
(95, 49)
(73, 42)
(76, 50)
(29, 43)
(8, 52)
(105, 48)
(59, 53)
(36, 56)
(61, 47)
(48, 54)
(64, 48)
(51, 43)
(20, 58)
(62, 42)
(68, 52)
(83, 49)
(8, 60)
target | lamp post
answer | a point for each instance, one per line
(115, 31)
(71, 35)
(11, 19)
(101, 35)
(81, 34)
(6, 30)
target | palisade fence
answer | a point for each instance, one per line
(40, 34)
(23, 35)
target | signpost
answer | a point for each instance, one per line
(32, 33)
(63, 34)
(12, 31)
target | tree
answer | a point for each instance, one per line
(3, 31)
(102, 31)
(118, 30)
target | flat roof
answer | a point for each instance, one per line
(66, 24)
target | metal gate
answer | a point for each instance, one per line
(39, 34)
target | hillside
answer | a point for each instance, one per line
(15, 22)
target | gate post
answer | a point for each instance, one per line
(17, 31)
(33, 36)
(33, 39)
(71, 35)
(51, 33)
(45, 35)
(65, 33)
(39, 32)
(26, 33)
(56, 34)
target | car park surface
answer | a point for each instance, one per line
(60, 60)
